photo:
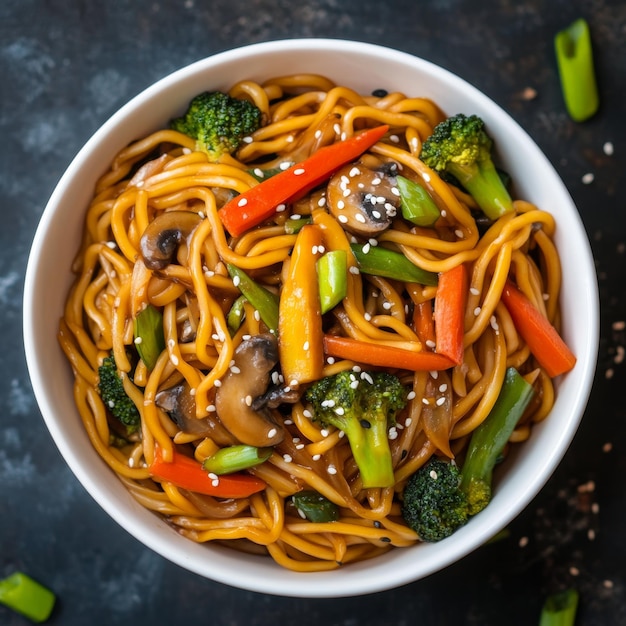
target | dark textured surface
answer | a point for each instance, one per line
(65, 67)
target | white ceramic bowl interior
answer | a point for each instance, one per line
(364, 67)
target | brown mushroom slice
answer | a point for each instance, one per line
(248, 378)
(179, 403)
(163, 236)
(363, 200)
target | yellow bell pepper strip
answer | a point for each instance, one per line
(416, 204)
(381, 261)
(187, 473)
(574, 55)
(542, 338)
(300, 345)
(260, 202)
(332, 271)
(384, 355)
(148, 333)
(26, 596)
(262, 299)
(450, 300)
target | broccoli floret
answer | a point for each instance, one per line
(114, 396)
(218, 122)
(461, 147)
(364, 407)
(439, 498)
(433, 505)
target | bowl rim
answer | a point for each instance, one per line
(359, 579)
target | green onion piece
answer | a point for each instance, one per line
(235, 315)
(26, 596)
(262, 299)
(574, 56)
(383, 262)
(293, 226)
(332, 273)
(235, 458)
(315, 507)
(149, 339)
(560, 609)
(417, 205)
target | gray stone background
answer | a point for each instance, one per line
(65, 67)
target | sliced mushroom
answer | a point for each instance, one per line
(163, 236)
(180, 405)
(362, 199)
(275, 396)
(247, 379)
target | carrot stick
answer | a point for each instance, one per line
(262, 201)
(299, 315)
(542, 338)
(383, 355)
(423, 322)
(450, 300)
(187, 473)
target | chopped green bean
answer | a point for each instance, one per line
(262, 299)
(315, 507)
(332, 273)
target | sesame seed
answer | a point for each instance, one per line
(607, 447)
(588, 178)
(306, 345)
(394, 138)
(259, 173)
(477, 311)
(294, 383)
(271, 432)
(355, 171)
(376, 181)
(324, 432)
(247, 140)
(337, 129)
(174, 360)
(285, 165)
(393, 433)
(367, 378)
(387, 306)
(433, 474)
(354, 270)
(236, 281)
(410, 395)
(346, 193)
(426, 177)
(330, 360)
(138, 340)
(430, 343)
(235, 370)
(242, 202)
(321, 201)
(440, 401)
(343, 219)
(434, 374)
(111, 404)
(316, 457)
(459, 233)
(608, 148)
(340, 410)
(299, 446)
(395, 191)
(210, 408)
(608, 584)
(407, 422)
(215, 482)
(359, 217)
(332, 469)
(366, 248)
(443, 387)
(341, 204)
(344, 136)
(523, 542)
(307, 413)
(474, 291)
(280, 208)
(295, 216)
(354, 384)
(367, 316)
(287, 458)
(574, 571)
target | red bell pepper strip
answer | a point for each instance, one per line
(261, 201)
(450, 300)
(384, 355)
(423, 323)
(187, 473)
(542, 338)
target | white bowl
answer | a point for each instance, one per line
(364, 67)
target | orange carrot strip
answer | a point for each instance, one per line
(187, 473)
(542, 338)
(383, 355)
(450, 302)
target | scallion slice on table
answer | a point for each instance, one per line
(574, 56)
(26, 596)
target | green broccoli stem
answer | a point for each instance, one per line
(371, 452)
(489, 439)
(560, 609)
(484, 184)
